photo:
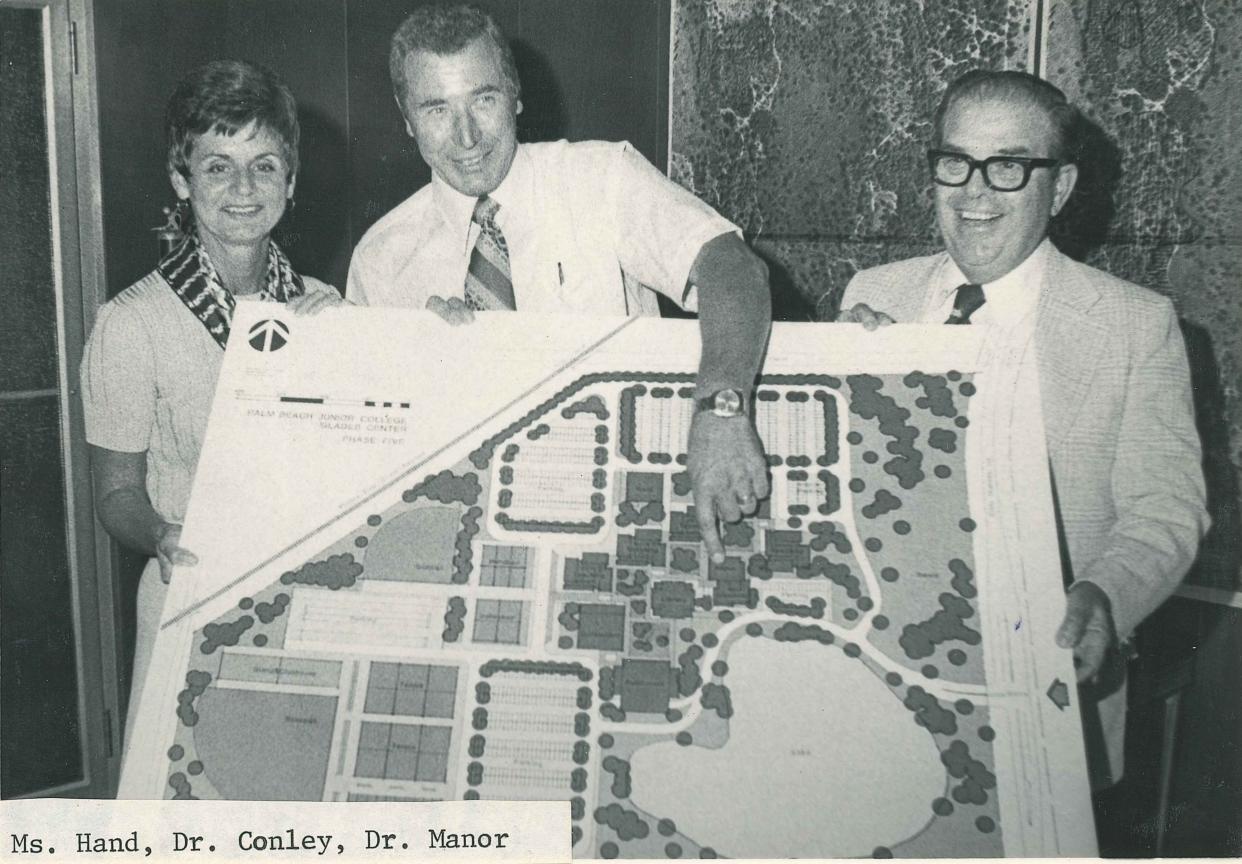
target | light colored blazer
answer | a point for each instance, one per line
(1119, 422)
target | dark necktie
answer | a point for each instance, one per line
(968, 300)
(488, 283)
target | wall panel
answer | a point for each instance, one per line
(1163, 81)
(145, 46)
(805, 123)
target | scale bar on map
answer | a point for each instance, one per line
(319, 400)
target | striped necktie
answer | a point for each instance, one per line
(488, 284)
(968, 300)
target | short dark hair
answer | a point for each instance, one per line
(224, 96)
(446, 28)
(1015, 86)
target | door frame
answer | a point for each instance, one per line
(71, 110)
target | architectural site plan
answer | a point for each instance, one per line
(447, 563)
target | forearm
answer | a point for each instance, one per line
(1145, 558)
(735, 314)
(121, 500)
(128, 516)
(1157, 482)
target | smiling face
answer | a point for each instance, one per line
(239, 186)
(989, 233)
(462, 112)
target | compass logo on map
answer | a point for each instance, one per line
(269, 334)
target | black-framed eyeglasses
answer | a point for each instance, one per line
(1002, 173)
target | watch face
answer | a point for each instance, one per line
(728, 403)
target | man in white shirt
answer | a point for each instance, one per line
(563, 227)
(1114, 380)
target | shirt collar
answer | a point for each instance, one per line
(457, 209)
(1011, 296)
(513, 191)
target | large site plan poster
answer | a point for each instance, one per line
(447, 563)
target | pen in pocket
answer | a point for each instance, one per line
(560, 272)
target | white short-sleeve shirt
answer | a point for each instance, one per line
(584, 223)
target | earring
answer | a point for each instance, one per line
(176, 220)
(290, 204)
(173, 231)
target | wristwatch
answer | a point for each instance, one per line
(728, 402)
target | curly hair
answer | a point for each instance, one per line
(224, 96)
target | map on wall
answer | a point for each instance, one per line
(806, 123)
(467, 565)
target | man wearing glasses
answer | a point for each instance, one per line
(1114, 381)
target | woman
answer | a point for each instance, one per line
(152, 361)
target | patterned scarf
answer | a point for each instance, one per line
(189, 272)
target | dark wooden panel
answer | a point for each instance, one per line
(27, 290)
(41, 743)
(141, 48)
(384, 166)
(1190, 650)
(304, 41)
(145, 46)
(596, 69)
(1206, 813)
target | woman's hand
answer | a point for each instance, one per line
(314, 302)
(169, 552)
(453, 310)
(121, 502)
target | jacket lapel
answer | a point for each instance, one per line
(906, 292)
(1069, 341)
